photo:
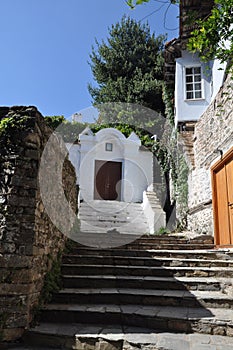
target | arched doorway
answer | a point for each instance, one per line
(108, 175)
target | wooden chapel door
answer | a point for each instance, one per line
(108, 177)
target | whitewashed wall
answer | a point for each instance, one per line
(212, 80)
(137, 164)
(74, 157)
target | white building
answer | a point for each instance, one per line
(196, 85)
(110, 166)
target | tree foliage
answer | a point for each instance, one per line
(129, 66)
(54, 121)
(68, 130)
(214, 37)
(133, 3)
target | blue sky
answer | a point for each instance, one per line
(45, 46)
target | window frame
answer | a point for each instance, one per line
(108, 146)
(193, 66)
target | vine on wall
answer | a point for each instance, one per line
(173, 165)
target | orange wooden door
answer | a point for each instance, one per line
(229, 175)
(222, 180)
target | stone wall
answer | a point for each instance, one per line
(213, 133)
(29, 241)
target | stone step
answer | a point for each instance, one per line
(102, 216)
(153, 240)
(99, 241)
(114, 238)
(168, 246)
(124, 296)
(168, 318)
(163, 239)
(183, 237)
(144, 261)
(162, 283)
(109, 205)
(85, 337)
(99, 230)
(125, 227)
(175, 271)
(123, 236)
(141, 282)
(155, 253)
(132, 213)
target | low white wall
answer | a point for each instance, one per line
(74, 157)
(155, 215)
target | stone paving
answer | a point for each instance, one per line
(132, 338)
(108, 294)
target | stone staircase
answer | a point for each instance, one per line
(125, 297)
(105, 216)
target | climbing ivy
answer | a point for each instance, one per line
(54, 121)
(181, 190)
(133, 3)
(214, 36)
(11, 124)
(165, 150)
(69, 130)
(168, 99)
(52, 280)
(3, 320)
(127, 129)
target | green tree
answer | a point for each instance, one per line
(129, 66)
(68, 130)
(214, 36)
(133, 3)
(54, 121)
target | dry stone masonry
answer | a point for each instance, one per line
(29, 241)
(213, 132)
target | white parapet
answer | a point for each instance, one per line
(155, 215)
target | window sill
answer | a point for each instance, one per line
(194, 99)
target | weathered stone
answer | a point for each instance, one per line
(132, 346)
(229, 331)
(179, 325)
(202, 328)
(85, 344)
(108, 345)
(28, 237)
(212, 132)
(219, 330)
(32, 154)
(13, 333)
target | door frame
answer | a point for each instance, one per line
(214, 169)
(95, 174)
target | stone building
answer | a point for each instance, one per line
(204, 119)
